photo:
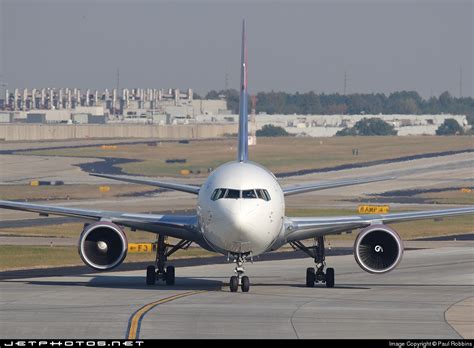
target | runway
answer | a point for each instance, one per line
(413, 301)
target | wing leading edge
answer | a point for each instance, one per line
(178, 226)
(299, 228)
(151, 182)
(294, 190)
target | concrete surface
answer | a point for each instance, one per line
(409, 302)
(461, 317)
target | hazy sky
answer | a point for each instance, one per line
(383, 45)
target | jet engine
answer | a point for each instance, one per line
(378, 249)
(103, 245)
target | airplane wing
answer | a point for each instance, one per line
(299, 228)
(294, 190)
(151, 182)
(183, 227)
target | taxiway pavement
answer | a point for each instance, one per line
(413, 301)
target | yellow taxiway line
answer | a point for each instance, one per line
(135, 320)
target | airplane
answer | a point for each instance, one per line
(240, 213)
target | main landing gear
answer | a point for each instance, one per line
(239, 279)
(317, 252)
(160, 271)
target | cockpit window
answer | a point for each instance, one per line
(236, 194)
(218, 194)
(263, 194)
(249, 194)
(232, 194)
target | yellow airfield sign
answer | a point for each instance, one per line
(109, 147)
(104, 189)
(373, 209)
(140, 247)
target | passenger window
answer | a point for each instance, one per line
(235, 194)
(248, 194)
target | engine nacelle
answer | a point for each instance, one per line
(103, 245)
(378, 249)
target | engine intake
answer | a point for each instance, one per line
(378, 249)
(103, 246)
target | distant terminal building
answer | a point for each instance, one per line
(175, 107)
(329, 125)
(141, 105)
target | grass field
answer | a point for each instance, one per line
(69, 230)
(66, 192)
(278, 154)
(449, 197)
(27, 257)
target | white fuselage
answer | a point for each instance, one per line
(241, 208)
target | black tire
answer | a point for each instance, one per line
(233, 284)
(170, 275)
(150, 275)
(245, 284)
(330, 277)
(310, 277)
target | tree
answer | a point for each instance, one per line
(409, 106)
(212, 95)
(445, 99)
(449, 127)
(270, 130)
(232, 97)
(402, 102)
(369, 127)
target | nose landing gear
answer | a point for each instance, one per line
(317, 252)
(239, 279)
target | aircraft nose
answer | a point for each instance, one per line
(240, 222)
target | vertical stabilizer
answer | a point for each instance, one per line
(243, 104)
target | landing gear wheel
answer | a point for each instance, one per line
(310, 277)
(330, 277)
(170, 275)
(150, 275)
(317, 251)
(234, 284)
(245, 284)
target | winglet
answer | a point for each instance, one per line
(243, 105)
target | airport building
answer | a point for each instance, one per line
(141, 105)
(329, 125)
(172, 107)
